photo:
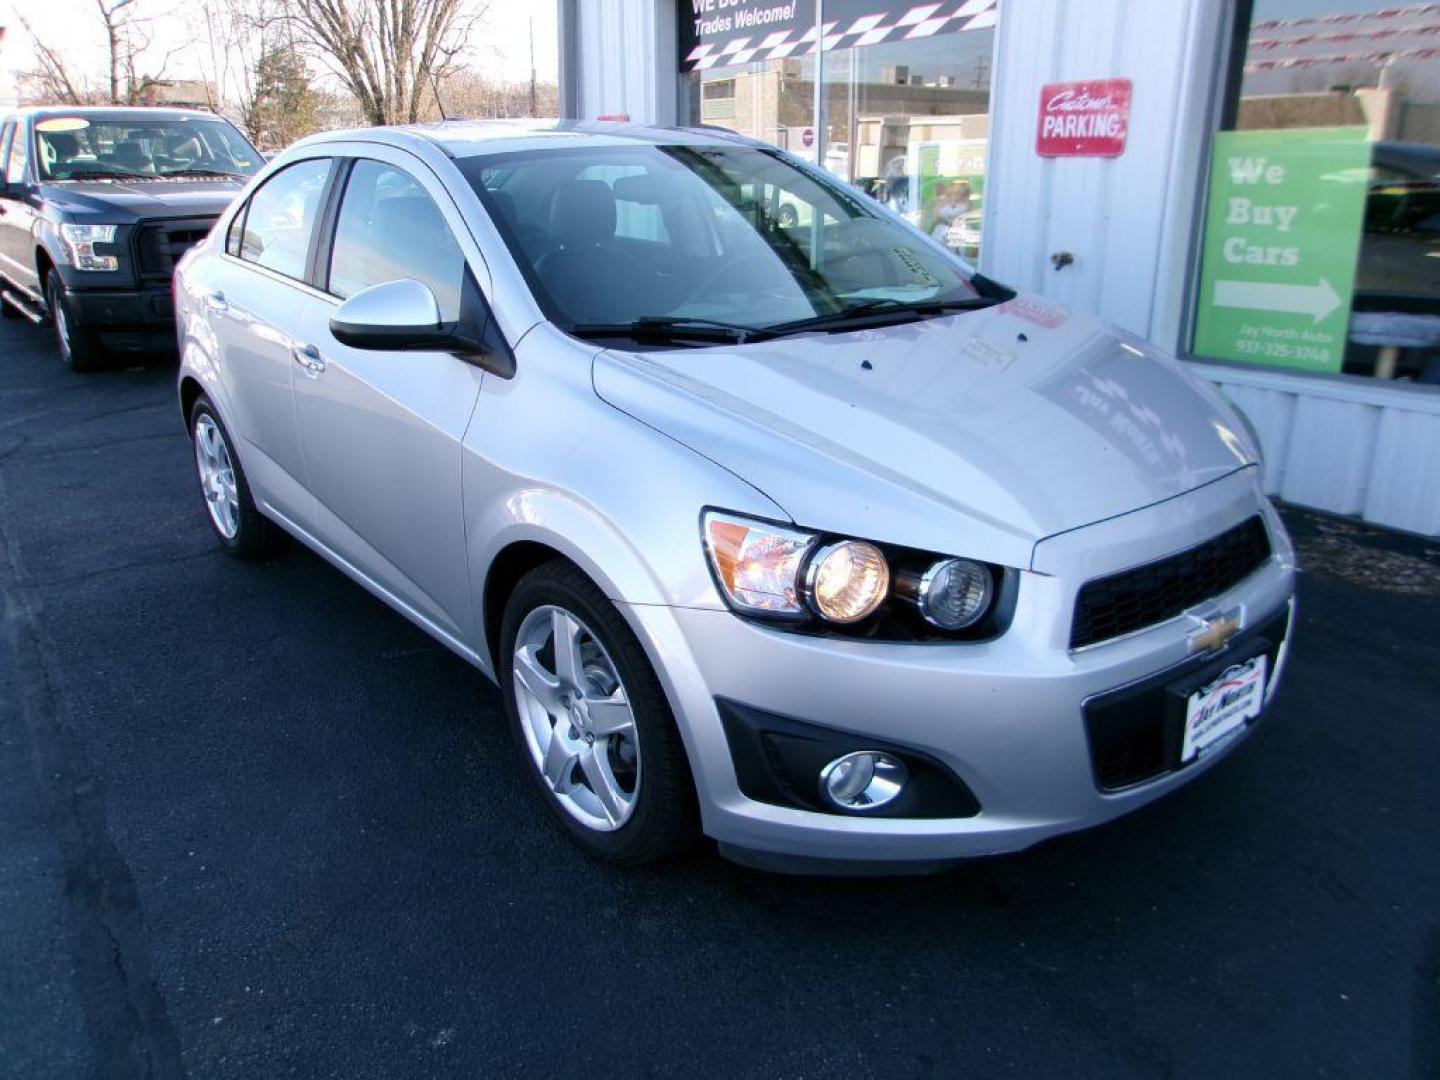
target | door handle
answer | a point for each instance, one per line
(309, 358)
(215, 301)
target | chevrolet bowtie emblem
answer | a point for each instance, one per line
(1216, 631)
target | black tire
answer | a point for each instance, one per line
(665, 815)
(79, 347)
(255, 535)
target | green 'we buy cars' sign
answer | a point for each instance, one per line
(1281, 237)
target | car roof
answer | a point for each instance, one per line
(122, 113)
(466, 138)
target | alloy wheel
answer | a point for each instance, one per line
(217, 476)
(577, 719)
(62, 324)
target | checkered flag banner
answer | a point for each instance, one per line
(896, 24)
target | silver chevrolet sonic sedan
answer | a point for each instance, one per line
(771, 518)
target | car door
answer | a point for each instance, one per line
(255, 293)
(17, 214)
(381, 431)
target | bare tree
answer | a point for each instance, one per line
(128, 42)
(238, 33)
(387, 52)
(50, 76)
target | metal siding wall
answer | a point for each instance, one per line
(1126, 220)
(626, 59)
(1348, 446)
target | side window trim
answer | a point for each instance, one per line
(324, 249)
(237, 230)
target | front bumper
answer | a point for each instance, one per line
(1006, 717)
(128, 320)
(105, 310)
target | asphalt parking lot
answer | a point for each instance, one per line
(254, 824)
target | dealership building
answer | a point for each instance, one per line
(1251, 184)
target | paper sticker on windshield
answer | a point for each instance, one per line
(63, 123)
(918, 274)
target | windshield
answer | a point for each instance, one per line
(724, 237)
(79, 148)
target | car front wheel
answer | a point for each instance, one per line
(591, 721)
(80, 348)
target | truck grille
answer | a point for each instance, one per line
(1134, 599)
(160, 244)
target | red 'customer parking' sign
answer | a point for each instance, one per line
(1084, 119)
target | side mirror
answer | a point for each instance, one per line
(404, 315)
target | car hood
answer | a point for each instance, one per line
(979, 434)
(118, 200)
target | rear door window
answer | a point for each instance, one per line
(280, 219)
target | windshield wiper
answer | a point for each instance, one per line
(101, 174)
(206, 172)
(667, 328)
(882, 308)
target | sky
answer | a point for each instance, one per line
(501, 42)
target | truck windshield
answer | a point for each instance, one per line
(79, 147)
(721, 242)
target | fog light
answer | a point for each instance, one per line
(864, 780)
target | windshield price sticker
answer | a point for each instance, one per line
(1281, 238)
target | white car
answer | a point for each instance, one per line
(807, 539)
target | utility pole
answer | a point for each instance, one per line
(534, 99)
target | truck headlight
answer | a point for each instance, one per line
(80, 241)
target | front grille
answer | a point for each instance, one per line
(1134, 599)
(159, 245)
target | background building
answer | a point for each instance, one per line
(1252, 184)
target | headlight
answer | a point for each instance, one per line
(951, 594)
(847, 581)
(839, 585)
(757, 563)
(80, 240)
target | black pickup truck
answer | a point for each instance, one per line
(97, 205)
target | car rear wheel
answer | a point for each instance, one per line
(80, 348)
(240, 527)
(591, 721)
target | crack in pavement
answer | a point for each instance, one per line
(210, 551)
(124, 1011)
(53, 451)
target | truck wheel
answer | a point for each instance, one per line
(79, 347)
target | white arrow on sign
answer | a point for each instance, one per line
(1314, 300)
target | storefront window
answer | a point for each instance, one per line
(905, 103)
(1322, 235)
